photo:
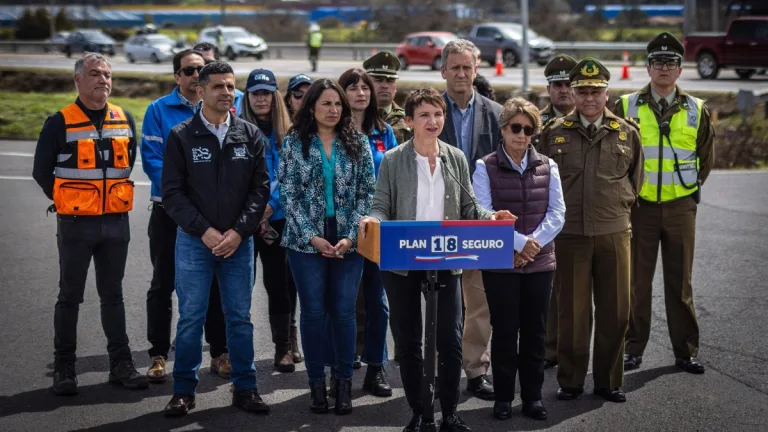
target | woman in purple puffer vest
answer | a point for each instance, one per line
(517, 178)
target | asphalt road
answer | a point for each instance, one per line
(730, 296)
(728, 81)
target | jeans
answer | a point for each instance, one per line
(196, 266)
(404, 293)
(518, 304)
(162, 247)
(327, 289)
(105, 239)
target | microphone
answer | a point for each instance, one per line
(444, 160)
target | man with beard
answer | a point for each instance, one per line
(678, 143)
(383, 67)
(561, 103)
(600, 158)
(161, 116)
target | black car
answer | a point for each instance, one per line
(82, 41)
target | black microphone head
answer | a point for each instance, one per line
(664, 128)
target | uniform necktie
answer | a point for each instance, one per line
(663, 105)
(591, 129)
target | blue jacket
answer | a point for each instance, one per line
(161, 116)
(380, 143)
(272, 155)
(302, 192)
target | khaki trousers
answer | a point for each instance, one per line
(592, 268)
(477, 325)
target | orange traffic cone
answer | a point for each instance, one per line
(373, 50)
(499, 63)
(625, 68)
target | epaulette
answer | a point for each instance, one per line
(632, 123)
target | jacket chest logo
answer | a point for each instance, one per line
(239, 153)
(201, 154)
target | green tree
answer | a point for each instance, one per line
(62, 21)
(33, 25)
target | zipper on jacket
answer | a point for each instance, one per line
(659, 166)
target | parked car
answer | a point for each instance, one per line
(743, 48)
(59, 39)
(424, 48)
(508, 37)
(88, 40)
(150, 47)
(234, 42)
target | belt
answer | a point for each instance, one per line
(104, 217)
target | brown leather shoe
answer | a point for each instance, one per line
(297, 357)
(221, 365)
(284, 363)
(156, 373)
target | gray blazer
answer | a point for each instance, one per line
(398, 181)
(485, 128)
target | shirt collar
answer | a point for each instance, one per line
(211, 126)
(523, 163)
(454, 104)
(387, 109)
(670, 97)
(586, 123)
(558, 114)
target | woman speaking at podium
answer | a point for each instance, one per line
(426, 179)
(517, 178)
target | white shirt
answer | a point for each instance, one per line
(430, 194)
(221, 131)
(554, 220)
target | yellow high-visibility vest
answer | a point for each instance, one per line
(672, 165)
(315, 39)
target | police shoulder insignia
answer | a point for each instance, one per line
(623, 136)
(614, 124)
(567, 123)
(632, 122)
(559, 140)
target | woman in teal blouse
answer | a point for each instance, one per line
(326, 186)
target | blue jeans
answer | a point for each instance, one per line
(376, 318)
(195, 268)
(327, 289)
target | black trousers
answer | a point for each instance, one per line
(278, 281)
(404, 294)
(162, 252)
(518, 305)
(105, 239)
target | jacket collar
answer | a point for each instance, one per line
(645, 96)
(236, 132)
(533, 157)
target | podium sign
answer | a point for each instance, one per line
(446, 245)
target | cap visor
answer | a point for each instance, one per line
(298, 83)
(588, 84)
(262, 87)
(383, 75)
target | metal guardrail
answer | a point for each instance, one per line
(747, 99)
(358, 51)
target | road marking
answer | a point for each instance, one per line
(31, 155)
(5, 177)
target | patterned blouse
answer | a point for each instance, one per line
(302, 191)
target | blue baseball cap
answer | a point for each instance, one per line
(261, 79)
(298, 80)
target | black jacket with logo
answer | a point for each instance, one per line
(205, 185)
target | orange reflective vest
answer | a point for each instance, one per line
(82, 187)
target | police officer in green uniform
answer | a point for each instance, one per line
(678, 143)
(600, 159)
(314, 43)
(561, 103)
(383, 67)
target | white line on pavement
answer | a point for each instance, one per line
(5, 177)
(31, 155)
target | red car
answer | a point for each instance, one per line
(424, 48)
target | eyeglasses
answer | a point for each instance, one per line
(517, 127)
(189, 70)
(671, 64)
(298, 95)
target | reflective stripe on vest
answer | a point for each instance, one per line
(83, 188)
(662, 181)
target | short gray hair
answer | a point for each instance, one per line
(460, 46)
(91, 56)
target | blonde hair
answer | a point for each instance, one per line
(518, 105)
(278, 113)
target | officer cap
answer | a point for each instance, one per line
(559, 68)
(665, 45)
(383, 64)
(589, 73)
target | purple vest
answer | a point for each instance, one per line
(526, 196)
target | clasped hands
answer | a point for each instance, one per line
(531, 249)
(222, 245)
(330, 251)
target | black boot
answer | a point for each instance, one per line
(333, 384)
(64, 380)
(343, 396)
(281, 337)
(295, 353)
(319, 399)
(376, 382)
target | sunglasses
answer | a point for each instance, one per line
(671, 64)
(517, 127)
(189, 70)
(297, 94)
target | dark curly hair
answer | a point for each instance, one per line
(371, 118)
(305, 125)
(483, 86)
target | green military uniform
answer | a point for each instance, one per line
(675, 169)
(601, 168)
(558, 69)
(385, 64)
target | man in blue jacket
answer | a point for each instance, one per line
(161, 116)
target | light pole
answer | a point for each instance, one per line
(526, 49)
